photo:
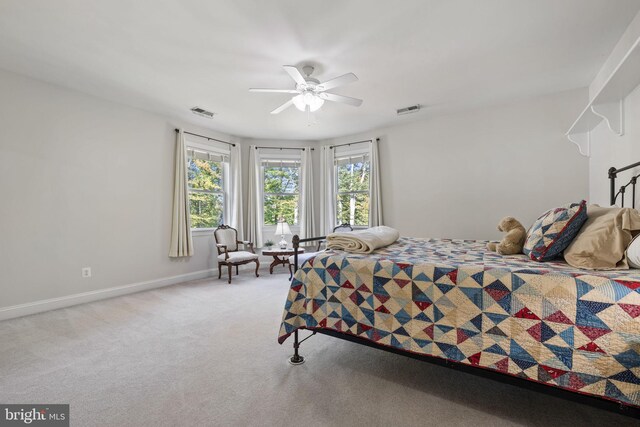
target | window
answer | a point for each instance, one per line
(206, 181)
(281, 190)
(352, 184)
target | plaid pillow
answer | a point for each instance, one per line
(554, 230)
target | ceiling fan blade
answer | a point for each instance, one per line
(340, 98)
(283, 107)
(338, 81)
(295, 74)
(273, 90)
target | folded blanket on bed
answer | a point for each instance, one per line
(363, 241)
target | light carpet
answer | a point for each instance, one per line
(205, 353)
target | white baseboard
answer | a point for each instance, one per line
(75, 299)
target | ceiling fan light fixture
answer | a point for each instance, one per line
(313, 101)
(316, 103)
(308, 98)
(298, 101)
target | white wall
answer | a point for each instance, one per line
(457, 176)
(610, 150)
(87, 182)
(84, 182)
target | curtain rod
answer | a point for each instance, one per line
(349, 143)
(287, 148)
(210, 139)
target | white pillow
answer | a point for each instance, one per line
(633, 252)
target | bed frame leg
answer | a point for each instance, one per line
(296, 359)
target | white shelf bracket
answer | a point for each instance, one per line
(613, 115)
(582, 141)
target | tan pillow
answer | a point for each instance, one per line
(603, 239)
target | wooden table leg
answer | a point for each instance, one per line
(277, 261)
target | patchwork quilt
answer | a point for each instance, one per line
(546, 322)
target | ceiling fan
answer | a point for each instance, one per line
(310, 94)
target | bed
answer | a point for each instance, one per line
(546, 326)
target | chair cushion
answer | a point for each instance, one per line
(554, 230)
(238, 256)
(228, 237)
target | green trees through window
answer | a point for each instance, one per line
(281, 191)
(352, 206)
(206, 192)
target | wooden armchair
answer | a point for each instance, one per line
(229, 252)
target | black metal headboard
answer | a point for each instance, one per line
(613, 174)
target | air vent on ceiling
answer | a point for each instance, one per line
(408, 110)
(202, 112)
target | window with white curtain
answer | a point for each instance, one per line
(207, 175)
(281, 189)
(353, 189)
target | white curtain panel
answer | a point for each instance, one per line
(235, 218)
(254, 205)
(327, 190)
(307, 220)
(375, 205)
(181, 240)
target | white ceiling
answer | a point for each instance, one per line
(448, 55)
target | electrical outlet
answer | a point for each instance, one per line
(86, 272)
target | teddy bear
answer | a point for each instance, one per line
(513, 241)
